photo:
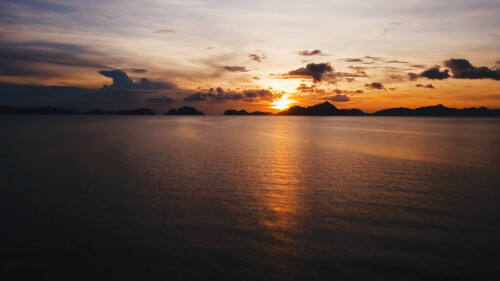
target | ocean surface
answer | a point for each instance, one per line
(249, 198)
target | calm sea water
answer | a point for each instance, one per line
(249, 198)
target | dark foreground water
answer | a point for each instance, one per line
(249, 198)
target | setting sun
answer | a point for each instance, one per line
(281, 103)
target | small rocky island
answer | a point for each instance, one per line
(244, 112)
(185, 110)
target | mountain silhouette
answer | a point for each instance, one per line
(438, 110)
(60, 111)
(185, 110)
(321, 109)
(244, 112)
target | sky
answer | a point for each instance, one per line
(253, 55)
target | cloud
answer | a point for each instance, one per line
(429, 86)
(435, 73)
(495, 35)
(257, 57)
(31, 58)
(374, 58)
(255, 78)
(352, 60)
(395, 61)
(137, 70)
(313, 70)
(337, 97)
(375, 86)
(463, 69)
(418, 66)
(161, 100)
(311, 53)
(413, 76)
(199, 96)
(397, 22)
(121, 81)
(163, 31)
(235, 68)
(219, 95)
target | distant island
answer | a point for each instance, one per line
(244, 112)
(185, 110)
(438, 110)
(60, 111)
(321, 109)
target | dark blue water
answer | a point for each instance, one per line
(249, 198)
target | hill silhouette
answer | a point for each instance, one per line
(438, 110)
(321, 109)
(61, 111)
(185, 110)
(244, 112)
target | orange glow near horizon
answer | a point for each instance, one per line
(282, 103)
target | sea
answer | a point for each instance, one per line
(249, 198)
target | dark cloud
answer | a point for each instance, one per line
(161, 100)
(257, 57)
(374, 58)
(163, 31)
(235, 68)
(256, 78)
(413, 76)
(337, 97)
(435, 73)
(75, 98)
(375, 86)
(219, 95)
(309, 89)
(313, 70)
(199, 96)
(264, 95)
(121, 81)
(395, 76)
(32, 58)
(419, 66)
(311, 53)
(352, 60)
(395, 61)
(429, 86)
(463, 69)
(137, 70)
(338, 91)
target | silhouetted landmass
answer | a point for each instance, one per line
(244, 112)
(185, 110)
(35, 110)
(140, 111)
(60, 111)
(321, 109)
(438, 110)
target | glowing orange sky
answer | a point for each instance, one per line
(193, 46)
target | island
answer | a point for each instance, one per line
(244, 112)
(185, 110)
(322, 109)
(61, 111)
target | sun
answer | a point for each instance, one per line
(282, 103)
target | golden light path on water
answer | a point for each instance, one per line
(282, 202)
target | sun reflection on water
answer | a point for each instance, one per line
(281, 201)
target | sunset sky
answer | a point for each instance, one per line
(253, 55)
